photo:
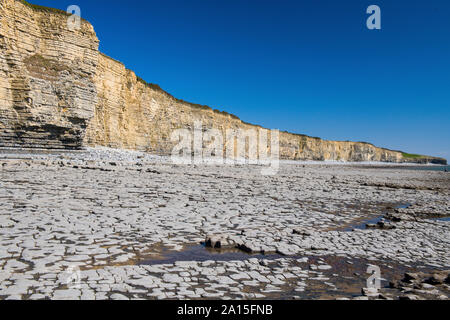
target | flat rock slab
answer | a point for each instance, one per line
(91, 219)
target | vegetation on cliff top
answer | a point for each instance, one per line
(45, 9)
(417, 157)
(413, 156)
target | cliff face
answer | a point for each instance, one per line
(47, 91)
(58, 91)
(132, 115)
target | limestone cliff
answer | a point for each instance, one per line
(47, 91)
(58, 91)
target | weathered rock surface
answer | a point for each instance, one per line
(47, 89)
(58, 91)
(106, 211)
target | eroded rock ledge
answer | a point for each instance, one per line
(57, 91)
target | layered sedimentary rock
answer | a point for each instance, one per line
(58, 91)
(133, 115)
(47, 91)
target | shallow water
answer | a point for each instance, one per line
(201, 253)
(442, 219)
(363, 225)
(430, 168)
(346, 277)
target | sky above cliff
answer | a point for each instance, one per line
(305, 66)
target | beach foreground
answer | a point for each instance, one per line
(123, 225)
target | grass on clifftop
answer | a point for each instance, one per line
(44, 9)
(412, 156)
(429, 159)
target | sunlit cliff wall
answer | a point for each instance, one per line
(47, 89)
(58, 91)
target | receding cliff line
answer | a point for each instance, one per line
(58, 91)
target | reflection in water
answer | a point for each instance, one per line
(201, 253)
(442, 219)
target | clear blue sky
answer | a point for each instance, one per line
(306, 66)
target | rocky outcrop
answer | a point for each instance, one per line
(47, 91)
(58, 91)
